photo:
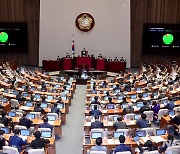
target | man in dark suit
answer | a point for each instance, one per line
(54, 109)
(46, 124)
(95, 101)
(122, 147)
(95, 112)
(4, 120)
(119, 124)
(142, 123)
(94, 91)
(25, 121)
(145, 107)
(16, 140)
(38, 108)
(97, 123)
(39, 142)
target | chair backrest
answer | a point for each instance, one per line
(97, 152)
(97, 130)
(36, 151)
(162, 112)
(20, 127)
(2, 125)
(19, 114)
(125, 131)
(53, 114)
(173, 150)
(14, 103)
(37, 114)
(149, 131)
(10, 150)
(152, 152)
(129, 116)
(176, 109)
(149, 115)
(124, 152)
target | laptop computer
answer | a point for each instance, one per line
(37, 96)
(46, 134)
(11, 114)
(24, 94)
(5, 129)
(136, 138)
(15, 92)
(145, 95)
(47, 84)
(51, 117)
(139, 104)
(138, 89)
(44, 105)
(30, 116)
(60, 106)
(133, 96)
(137, 116)
(64, 98)
(57, 85)
(117, 134)
(106, 98)
(49, 97)
(68, 86)
(115, 118)
(33, 88)
(160, 132)
(117, 90)
(4, 100)
(110, 106)
(124, 106)
(25, 132)
(6, 90)
(120, 97)
(95, 135)
(140, 133)
(29, 104)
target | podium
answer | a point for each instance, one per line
(116, 66)
(84, 62)
(51, 65)
(101, 64)
(67, 64)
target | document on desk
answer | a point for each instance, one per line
(110, 141)
(157, 139)
(51, 122)
(132, 122)
(144, 139)
(87, 124)
(116, 141)
(110, 123)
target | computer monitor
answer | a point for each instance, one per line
(44, 105)
(120, 97)
(137, 116)
(64, 98)
(29, 104)
(46, 134)
(110, 106)
(25, 94)
(155, 93)
(30, 116)
(172, 113)
(37, 96)
(71, 78)
(49, 97)
(33, 88)
(114, 86)
(124, 106)
(23, 87)
(117, 134)
(51, 117)
(57, 85)
(15, 92)
(6, 90)
(115, 118)
(105, 91)
(62, 78)
(5, 129)
(11, 114)
(95, 135)
(165, 101)
(60, 106)
(145, 95)
(133, 96)
(140, 133)
(4, 100)
(117, 90)
(139, 104)
(92, 99)
(25, 132)
(54, 91)
(136, 138)
(138, 89)
(68, 86)
(106, 98)
(66, 91)
(47, 84)
(160, 132)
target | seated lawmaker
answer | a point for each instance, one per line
(38, 108)
(122, 147)
(46, 124)
(94, 91)
(95, 101)
(97, 123)
(98, 146)
(38, 142)
(145, 107)
(25, 121)
(142, 123)
(129, 109)
(95, 111)
(155, 109)
(170, 105)
(16, 140)
(4, 120)
(54, 109)
(119, 124)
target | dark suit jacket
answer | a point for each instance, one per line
(122, 147)
(95, 102)
(39, 143)
(95, 112)
(55, 110)
(97, 124)
(142, 123)
(4, 120)
(38, 109)
(25, 122)
(120, 125)
(144, 108)
(46, 125)
(17, 141)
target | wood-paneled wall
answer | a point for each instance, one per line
(151, 11)
(22, 11)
